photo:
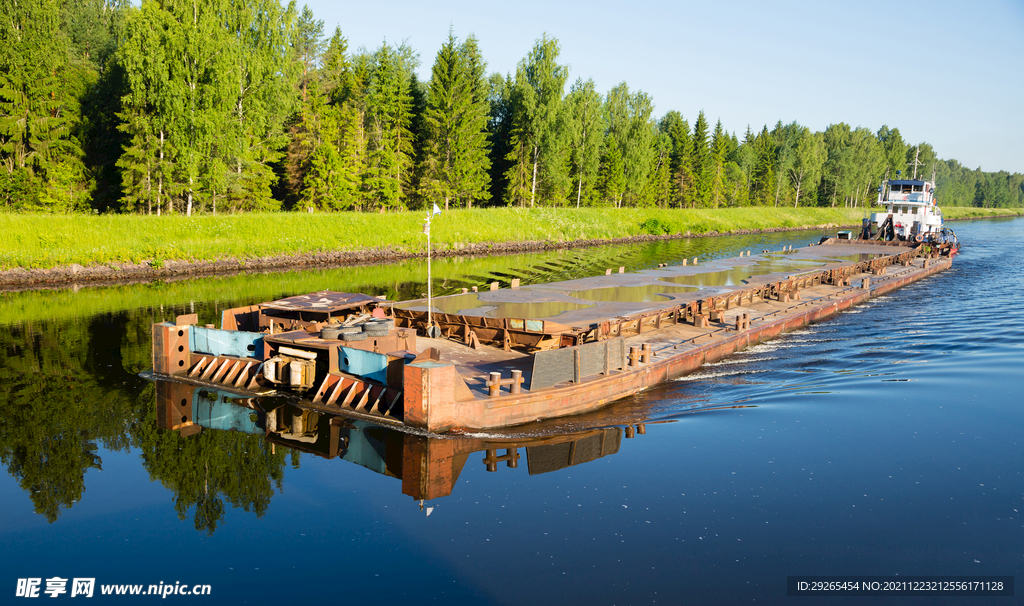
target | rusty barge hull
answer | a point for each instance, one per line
(507, 410)
(577, 361)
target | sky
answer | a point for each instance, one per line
(949, 73)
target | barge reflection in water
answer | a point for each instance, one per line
(428, 466)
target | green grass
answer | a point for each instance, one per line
(47, 240)
(970, 212)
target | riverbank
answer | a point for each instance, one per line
(47, 250)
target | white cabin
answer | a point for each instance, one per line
(911, 204)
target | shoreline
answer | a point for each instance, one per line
(110, 274)
(74, 275)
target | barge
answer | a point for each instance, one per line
(508, 356)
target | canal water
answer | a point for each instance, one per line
(884, 441)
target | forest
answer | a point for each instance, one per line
(247, 105)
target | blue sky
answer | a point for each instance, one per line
(947, 73)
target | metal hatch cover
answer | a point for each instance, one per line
(323, 301)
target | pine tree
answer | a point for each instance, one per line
(719, 151)
(456, 162)
(658, 190)
(613, 177)
(680, 169)
(307, 47)
(702, 162)
(500, 127)
(764, 168)
(390, 140)
(38, 109)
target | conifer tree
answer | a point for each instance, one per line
(702, 162)
(456, 162)
(659, 187)
(499, 125)
(390, 148)
(38, 112)
(307, 47)
(763, 180)
(719, 151)
(680, 169)
(613, 177)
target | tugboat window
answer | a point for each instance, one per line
(919, 188)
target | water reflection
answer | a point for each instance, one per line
(428, 467)
(632, 294)
(70, 361)
(739, 275)
(470, 304)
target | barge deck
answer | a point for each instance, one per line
(509, 356)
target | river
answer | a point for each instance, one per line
(884, 441)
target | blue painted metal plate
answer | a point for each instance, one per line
(373, 366)
(226, 342)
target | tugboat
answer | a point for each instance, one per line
(911, 215)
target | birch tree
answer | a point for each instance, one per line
(585, 132)
(537, 99)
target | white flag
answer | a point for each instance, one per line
(437, 210)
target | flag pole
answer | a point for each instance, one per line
(430, 283)
(430, 276)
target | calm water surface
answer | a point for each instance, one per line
(885, 441)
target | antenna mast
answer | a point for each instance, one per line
(917, 152)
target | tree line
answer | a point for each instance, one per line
(177, 106)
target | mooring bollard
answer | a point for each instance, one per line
(608, 272)
(511, 458)
(646, 353)
(475, 289)
(517, 382)
(866, 284)
(641, 429)
(494, 286)
(622, 270)
(630, 431)
(695, 260)
(684, 262)
(465, 290)
(515, 282)
(495, 382)
(634, 356)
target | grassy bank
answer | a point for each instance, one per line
(45, 240)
